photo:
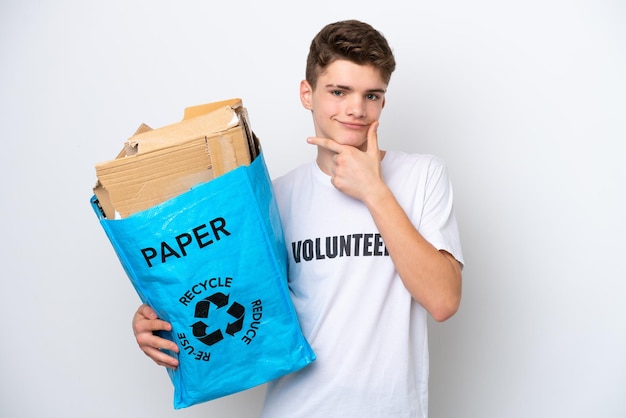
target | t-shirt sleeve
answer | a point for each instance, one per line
(438, 224)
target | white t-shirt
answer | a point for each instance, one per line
(369, 335)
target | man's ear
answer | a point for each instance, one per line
(306, 93)
(384, 101)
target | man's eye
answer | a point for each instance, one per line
(372, 97)
(336, 93)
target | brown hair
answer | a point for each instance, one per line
(350, 40)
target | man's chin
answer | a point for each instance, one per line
(362, 145)
(352, 140)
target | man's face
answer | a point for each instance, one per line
(347, 99)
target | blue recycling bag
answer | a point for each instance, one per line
(213, 263)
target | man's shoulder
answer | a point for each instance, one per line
(399, 159)
(291, 176)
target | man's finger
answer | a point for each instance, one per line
(146, 311)
(372, 138)
(329, 144)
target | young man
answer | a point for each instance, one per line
(389, 252)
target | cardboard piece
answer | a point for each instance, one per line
(158, 164)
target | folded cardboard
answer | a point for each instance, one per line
(158, 164)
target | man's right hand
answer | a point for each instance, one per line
(145, 323)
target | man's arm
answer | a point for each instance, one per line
(432, 277)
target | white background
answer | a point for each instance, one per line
(526, 102)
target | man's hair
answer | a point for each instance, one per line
(350, 40)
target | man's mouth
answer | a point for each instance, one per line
(353, 125)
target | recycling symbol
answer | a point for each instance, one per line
(203, 308)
